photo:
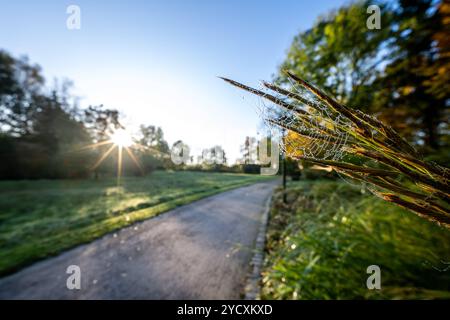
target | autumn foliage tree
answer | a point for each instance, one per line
(399, 72)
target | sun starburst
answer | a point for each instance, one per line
(119, 139)
(122, 138)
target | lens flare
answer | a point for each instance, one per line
(122, 138)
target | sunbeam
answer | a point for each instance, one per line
(135, 160)
(119, 163)
(120, 139)
(103, 157)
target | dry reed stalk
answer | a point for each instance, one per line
(392, 168)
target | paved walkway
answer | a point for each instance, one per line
(198, 251)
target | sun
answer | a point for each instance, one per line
(122, 138)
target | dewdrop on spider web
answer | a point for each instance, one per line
(318, 145)
(325, 140)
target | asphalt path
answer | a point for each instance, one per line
(198, 251)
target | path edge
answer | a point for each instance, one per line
(253, 285)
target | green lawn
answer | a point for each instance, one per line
(321, 243)
(42, 218)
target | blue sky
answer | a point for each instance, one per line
(157, 61)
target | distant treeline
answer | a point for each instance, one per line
(44, 134)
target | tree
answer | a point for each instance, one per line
(101, 122)
(412, 87)
(60, 135)
(21, 86)
(152, 137)
(153, 150)
(40, 130)
(340, 54)
(213, 159)
(397, 72)
(214, 156)
(249, 156)
(438, 74)
(249, 151)
(179, 155)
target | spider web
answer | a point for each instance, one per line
(317, 145)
